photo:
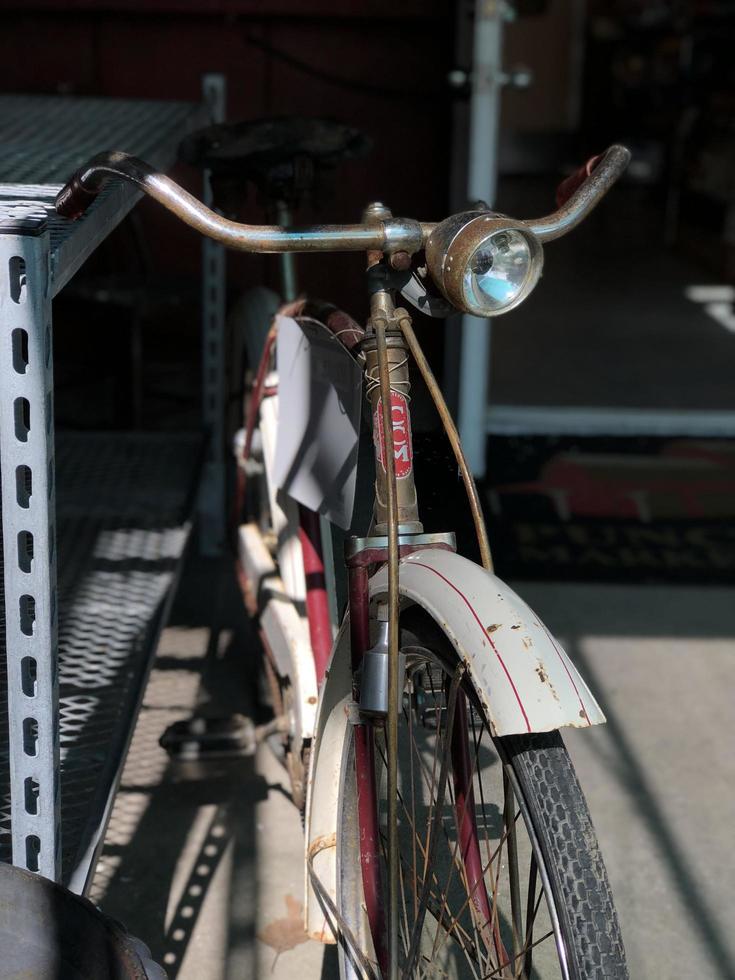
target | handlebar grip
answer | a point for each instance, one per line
(574, 181)
(74, 198)
(82, 188)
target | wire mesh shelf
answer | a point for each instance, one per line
(123, 506)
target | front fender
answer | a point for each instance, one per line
(523, 678)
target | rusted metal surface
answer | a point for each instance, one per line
(380, 325)
(523, 678)
(400, 261)
(323, 784)
(453, 435)
(485, 621)
(363, 552)
(359, 614)
(391, 236)
(400, 428)
(453, 243)
(320, 844)
(611, 166)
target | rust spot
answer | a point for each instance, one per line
(493, 626)
(583, 714)
(516, 627)
(312, 699)
(544, 678)
(527, 642)
(322, 843)
(323, 936)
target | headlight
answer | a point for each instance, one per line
(484, 263)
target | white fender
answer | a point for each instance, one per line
(323, 783)
(523, 678)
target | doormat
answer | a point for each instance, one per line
(612, 509)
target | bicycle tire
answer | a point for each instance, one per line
(587, 942)
(567, 836)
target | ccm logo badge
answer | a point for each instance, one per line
(402, 445)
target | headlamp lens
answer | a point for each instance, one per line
(497, 271)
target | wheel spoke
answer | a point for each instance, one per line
(513, 875)
(452, 927)
(434, 827)
(471, 883)
(487, 869)
(478, 921)
(422, 847)
(411, 749)
(497, 972)
(531, 911)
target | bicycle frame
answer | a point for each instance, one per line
(529, 685)
(521, 677)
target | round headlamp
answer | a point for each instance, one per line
(484, 263)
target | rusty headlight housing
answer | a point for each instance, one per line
(484, 263)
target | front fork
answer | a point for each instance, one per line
(373, 550)
(379, 912)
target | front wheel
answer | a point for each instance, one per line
(500, 869)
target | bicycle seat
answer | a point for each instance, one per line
(283, 156)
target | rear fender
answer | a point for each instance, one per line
(324, 782)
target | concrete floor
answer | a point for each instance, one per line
(205, 863)
(660, 776)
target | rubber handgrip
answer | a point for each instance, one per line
(574, 181)
(74, 198)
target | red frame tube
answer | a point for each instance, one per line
(259, 390)
(464, 808)
(367, 796)
(317, 600)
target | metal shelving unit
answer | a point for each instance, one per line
(115, 509)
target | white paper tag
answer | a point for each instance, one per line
(319, 407)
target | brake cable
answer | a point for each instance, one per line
(453, 435)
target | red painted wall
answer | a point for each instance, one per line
(135, 49)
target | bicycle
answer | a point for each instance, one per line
(446, 833)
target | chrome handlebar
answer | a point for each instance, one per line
(604, 172)
(389, 235)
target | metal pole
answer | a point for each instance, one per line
(29, 544)
(287, 260)
(487, 83)
(214, 278)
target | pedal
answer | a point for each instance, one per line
(229, 736)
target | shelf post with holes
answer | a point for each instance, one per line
(28, 537)
(212, 527)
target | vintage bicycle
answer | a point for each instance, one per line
(446, 832)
